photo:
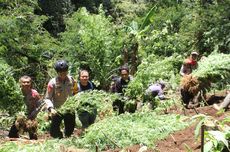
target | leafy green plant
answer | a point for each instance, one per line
(91, 41)
(217, 141)
(25, 44)
(11, 98)
(214, 68)
(43, 122)
(89, 100)
(151, 70)
(5, 120)
(216, 133)
(129, 129)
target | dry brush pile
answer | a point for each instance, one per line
(213, 69)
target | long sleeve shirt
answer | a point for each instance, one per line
(156, 90)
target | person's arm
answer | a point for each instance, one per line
(36, 99)
(49, 95)
(182, 70)
(226, 101)
(161, 94)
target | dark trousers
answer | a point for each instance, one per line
(186, 96)
(14, 132)
(69, 123)
(87, 118)
(118, 105)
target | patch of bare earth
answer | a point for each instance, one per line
(178, 141)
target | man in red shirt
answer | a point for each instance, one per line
(189, 64)
(31, 99)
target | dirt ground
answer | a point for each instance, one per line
(176, 142)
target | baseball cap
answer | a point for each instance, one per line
(194, 53)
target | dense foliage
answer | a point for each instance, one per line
(11, 99)
(153, 69)
(151, 36)
(24, 43)
(87, 101)
(215, 68)
(91, 42)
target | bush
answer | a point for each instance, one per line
(11, 98)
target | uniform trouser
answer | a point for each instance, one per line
(226, 101)
(69, 123)
(87, 118)
(14, 132)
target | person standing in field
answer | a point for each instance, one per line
(120, 85)
(86, 117)
(32, 101)
(189, 64)
(58, 90)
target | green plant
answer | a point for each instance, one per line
(152, 69)
(91, 41)
(214, 68)
(11, 98)
(25, 44)
(89, 100)
(216, 133)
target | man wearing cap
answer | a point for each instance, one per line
(58, 90)
(189, 64)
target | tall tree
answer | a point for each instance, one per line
(25, 44)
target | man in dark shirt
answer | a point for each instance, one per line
(87, 118)
(123, 81)
(120, 85)
(84, 83)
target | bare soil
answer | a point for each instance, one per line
(176, 142)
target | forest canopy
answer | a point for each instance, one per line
(104, 35)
